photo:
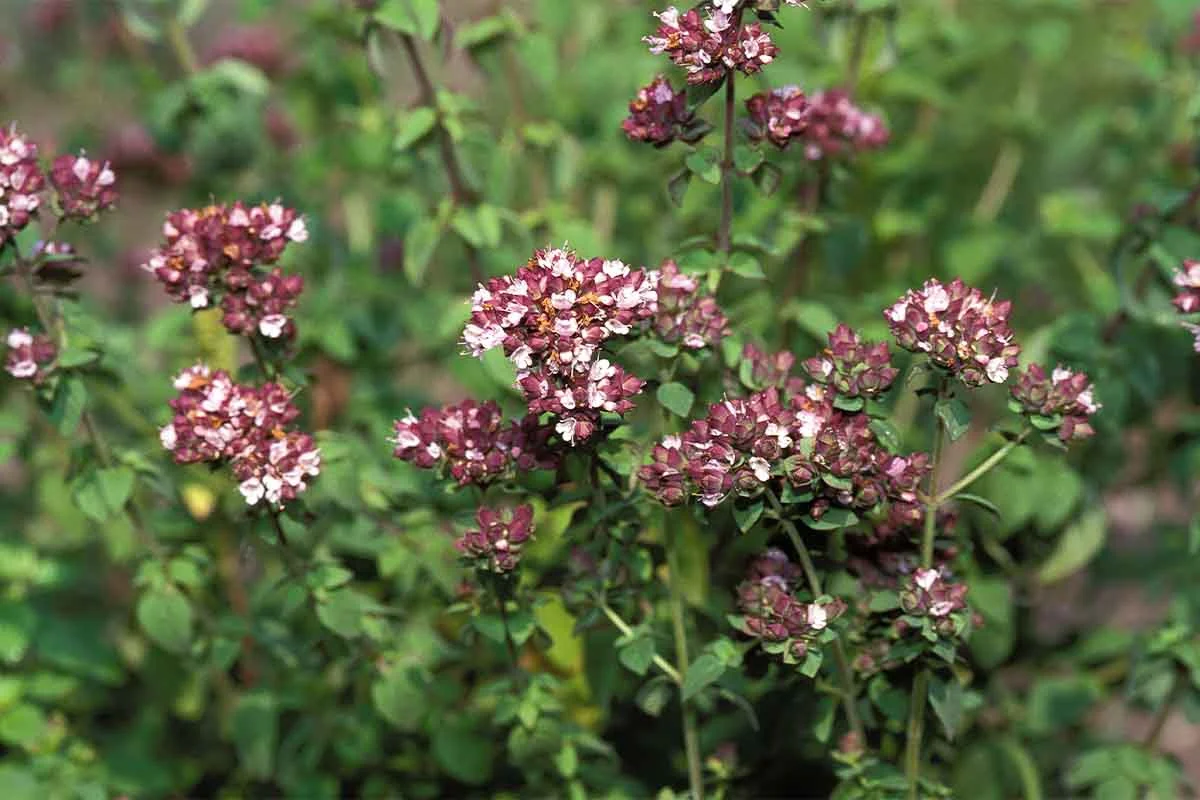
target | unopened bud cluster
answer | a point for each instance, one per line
(659, 114)
(959, 329)
(551, 318)
(1063, 394)
(771, 611)
(685, 314)
(30, 356)
(473, 442)
(852, 368)
(709, 46)
(220, 421)
(222, 252)
(495, 546)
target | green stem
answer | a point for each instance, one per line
(844, 672)
(725, 232)
(1164, 712)
(691, 741)
(916, 710)
(990, 463)
(181, 47)
(502, 603)
(627, 630)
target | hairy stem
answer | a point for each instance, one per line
(844, 672)
(460, 189)
(916, 708)
(627, 630)
(691, 741)
(987, 466)
(725, 232)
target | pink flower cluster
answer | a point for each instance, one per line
(21, 182)
(772, 369)
(828, 123)
(772, 612)
(29, 355)
(1063, 393)
(85, 187)
(929, 592)
(685, 314)
(708, 47)
(473, 442)
(959, 328)
(1188, 298)
(743, 444)
(851, 368)
(219, 251)
(658, 114)
(219, 421)
(496, 545)
(551, 319)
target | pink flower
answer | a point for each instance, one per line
(21, 182)
(495, 546)
(1064, 394)
(685, 314)
(85, 187)
(659, 114)
(30, 356)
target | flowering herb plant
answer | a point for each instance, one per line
(561, 437)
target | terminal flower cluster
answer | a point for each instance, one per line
(21, 182)
(551, 319)
(495, 546)
(772, 612)
(960, 329)
(658, 114)
(473, 442)
(1064, 394)
(930, 592)
(220, 421)
(852, 368)
(685, 314)
(85, 187)
(30, 356)
(221, 252)
(710, 46)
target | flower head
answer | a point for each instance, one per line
(495, 546)
(473, 442)
(960, 329)
(773, 613)
(219, 252)
(930, 592)
(685, 314)
(30, 356)
(85, 187)
(21, 182)
(709, 46)
(1063, 394)
(220, 421)
(1187, 278)
(659, 114)
(852, 368)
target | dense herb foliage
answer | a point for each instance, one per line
(425, 399)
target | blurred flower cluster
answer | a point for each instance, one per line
(30, 356)
(658, 115)
(827, 124)
(1187, 299)
(709, 46)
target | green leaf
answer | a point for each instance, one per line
(1057, 702)
(20, 784)
(23, 725)
(955, 416)
(66, 409)
(677, 186)
(745, 265)
(767, 178)
(705, 164)
(851, 404)
(991, 644)
(747, 159)
(17, 623)
(413, 127)
(167, 618)
(638, 654)
(884, 600)
(833, 519)
(698, 93)
(74, 357)
(190, 11)
(676, 398)
(465, 754)
(982, 502)
(1194, 536)
(747, 515)
(701, 673)
(400, 699)
(415, 17)
(420, 244)
(812, 663)
(343, 610)
(1077, 545)
(102, 494)
(886, 433)
(947, 701)
(254, 729)
(654, 695)
(482, 32)
(815, 319)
